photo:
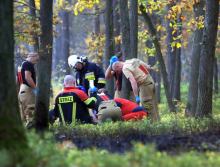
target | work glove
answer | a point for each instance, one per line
(93, 90)
(81, 88)
(137, 99)
(35, 91)
(113, 60)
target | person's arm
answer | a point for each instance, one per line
(29, 79)
(133, 85)
(109, 73)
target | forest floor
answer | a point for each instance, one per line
(171, 143)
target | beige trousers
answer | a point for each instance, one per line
(27, 105)
(109, 110)
(148, 98)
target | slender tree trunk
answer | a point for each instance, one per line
(97, 21)
(44, 66)
(171, 52)
(116, 21)
(34, 19)
(204, 103)
(66, 40)
(134, 27)
(155, 40)
(215, 76)
(109, 42)
(125, 32)
(57, 49)
(178, 64)
(194, 72)
(12, 135)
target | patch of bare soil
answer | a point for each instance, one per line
(172, 143)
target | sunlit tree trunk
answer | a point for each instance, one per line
(109, 42)
(205, 81)
(126, 52)
(194, 72)
(44, 65)
(12, 135)
(134, 27)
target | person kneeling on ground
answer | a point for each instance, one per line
(72, 104)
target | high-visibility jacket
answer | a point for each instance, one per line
(72, 104)
(93, 72)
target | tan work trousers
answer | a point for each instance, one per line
(148, 98)
(109, 110)
(27, 105)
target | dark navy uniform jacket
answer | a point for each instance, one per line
(90, 71)
(71, 104)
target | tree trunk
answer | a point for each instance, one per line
(66, 40)
(109, 42)
(125, 30)
(134, 27)
(116, 22)
(155, 40)
(194, 72)
(171, 52)
(57, 51)
(97, 21)
(178, 64)
(215, 76)
(44, 66)
(12, 135)
(204, 103)
(33, 19)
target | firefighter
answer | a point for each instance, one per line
(72, 104)
(88, 74)
(28, 89)
(109, 73)
(142, 83)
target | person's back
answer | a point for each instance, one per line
(72, 104)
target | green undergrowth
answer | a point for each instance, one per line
(46, 153)
(170, 125)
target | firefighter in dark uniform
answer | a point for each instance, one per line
(88, 74)
(72, 104)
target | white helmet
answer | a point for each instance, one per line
(73, 59)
